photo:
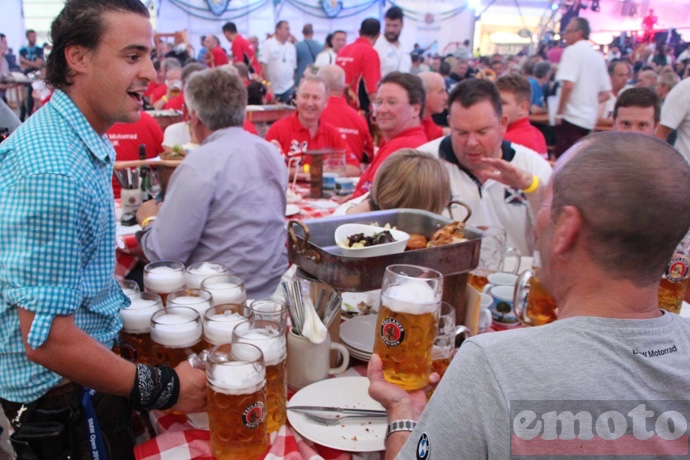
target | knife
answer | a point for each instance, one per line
(342, 410)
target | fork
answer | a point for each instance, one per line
(329, 421)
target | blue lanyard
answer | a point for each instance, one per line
(96, 446)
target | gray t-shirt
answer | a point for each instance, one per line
(582, 358)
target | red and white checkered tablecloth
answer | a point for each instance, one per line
(179, 439)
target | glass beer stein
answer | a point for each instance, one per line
(407, 323)
(532, 303)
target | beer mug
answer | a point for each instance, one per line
(269, 310)
(309, 362)
(532, 303)
(492, 254)
(236, 382)
(176, 334)
(198, 299)
(220, 321)
(499, 279)
(407, 322)
(502, 305)
(270, 338)
(135, 336)
(196, 273)
(129, 287)
(444, 343)
(674, 281)
(164, 277)
(225, 289)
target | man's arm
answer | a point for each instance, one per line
(566, 91)
(662, 132)
(73, 354)
(533, 183)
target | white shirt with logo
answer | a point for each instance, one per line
(281, 62)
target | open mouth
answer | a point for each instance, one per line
(137, 96)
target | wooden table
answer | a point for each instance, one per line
(268, 113)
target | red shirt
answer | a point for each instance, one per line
(523, 133)
(126, 138)
(176, 103)
(158, 93)
(360, 61)
(249, 127)
(296, 139)
(151, 88)
(408, 139)
(243, 51)
(431, 129)
(351, 125)
(219, 57)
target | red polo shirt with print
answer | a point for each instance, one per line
(295, 139)
(408, 139)
(360, 61)
(352, 127)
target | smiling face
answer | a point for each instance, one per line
(111, 78)
(311, 101)
(476, 133)
(394, 113)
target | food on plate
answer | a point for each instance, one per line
(178, 152)
(416, 241)
(359, 240)
(451, 233)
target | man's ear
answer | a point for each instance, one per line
(567, 230)
(77, 58)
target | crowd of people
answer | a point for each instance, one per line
(602, 210)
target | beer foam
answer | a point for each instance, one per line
(197, 303)
(163, 279)
(197, 274)
(136, 318)
(218, 329)
(176, 331)
(226, 293)
(129, 292)
(270, 341)
(413, 297)
(232, 378)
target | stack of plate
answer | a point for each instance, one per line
(358, 334)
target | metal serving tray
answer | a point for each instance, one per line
(312, 247)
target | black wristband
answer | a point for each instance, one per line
(154, 388)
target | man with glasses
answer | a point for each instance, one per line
(398, 108)
(584, 82)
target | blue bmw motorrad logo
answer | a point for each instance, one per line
(423, 448)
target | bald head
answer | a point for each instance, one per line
(435, 90)
(632, 192)
(334, 76)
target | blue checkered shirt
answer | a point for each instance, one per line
(57, 239)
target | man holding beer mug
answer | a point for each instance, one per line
(59, 301)
(612, 217)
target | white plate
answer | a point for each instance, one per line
(351, 300)
(358, 354)
(353, 434)
(359, 333)
(291, 210)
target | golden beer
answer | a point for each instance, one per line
(270, 338)
(541, 306)
(176, 334)
(478, 278)
(674, 281)
(236, 382)
(276, 396)
(135, 337)
(404, 342)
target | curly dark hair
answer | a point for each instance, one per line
(81, 23)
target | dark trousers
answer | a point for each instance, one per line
(113, 414)
(566, 135)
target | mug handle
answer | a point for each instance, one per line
(515, 252)
(346, 359)
(520, 297)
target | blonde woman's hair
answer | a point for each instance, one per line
(411, 179)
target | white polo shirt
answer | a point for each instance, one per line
(675, 114)
(585, 67)
(494, 203)
(392, 56)
(281, 62)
